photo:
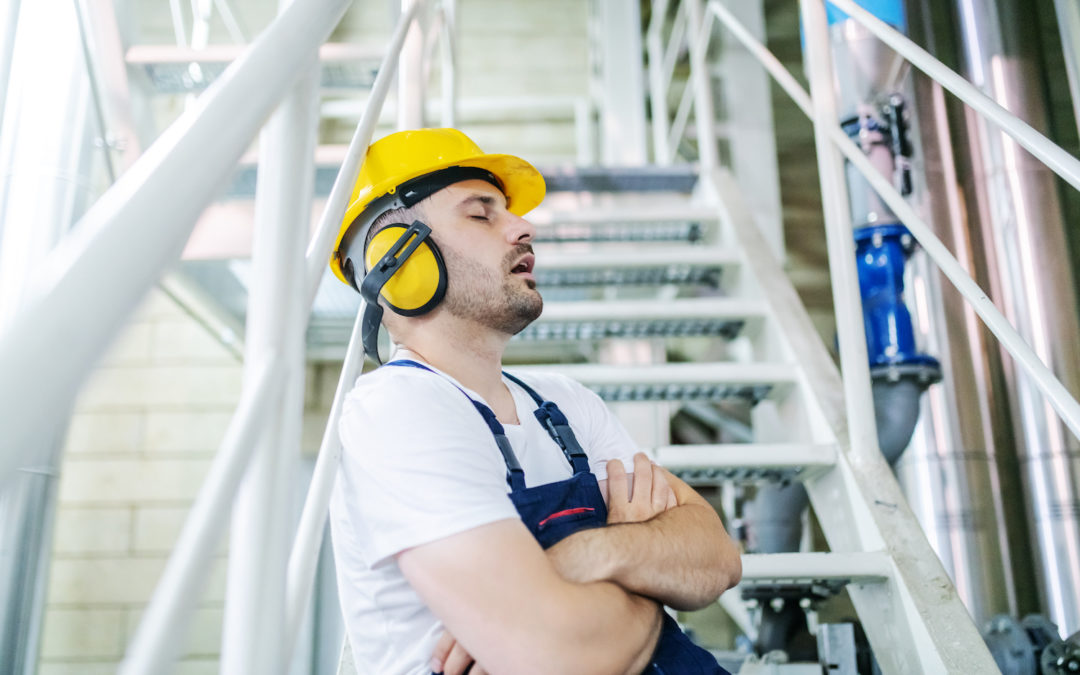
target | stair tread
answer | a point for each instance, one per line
(857, 566)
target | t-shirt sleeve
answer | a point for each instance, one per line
(418, 464)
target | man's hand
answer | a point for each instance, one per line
(647, 495)
(450, 658)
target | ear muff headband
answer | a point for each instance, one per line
(407, 269)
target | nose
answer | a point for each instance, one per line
(519, 230)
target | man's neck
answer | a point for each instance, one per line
(470, 354)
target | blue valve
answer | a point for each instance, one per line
(881, 252)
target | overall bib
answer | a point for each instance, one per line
(555, 511)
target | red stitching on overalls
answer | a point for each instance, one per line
(567, 512)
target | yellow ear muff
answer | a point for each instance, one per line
(419, 283)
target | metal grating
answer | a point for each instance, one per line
(194, 77)
(683, 275)
(752, 393)
(656, 328)
(668, 232)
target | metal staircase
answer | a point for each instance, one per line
(667, 295)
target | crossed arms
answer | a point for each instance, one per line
(591, 603)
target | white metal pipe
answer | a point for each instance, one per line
(658, 91)
(1060, 398)
(98, 274)
(10, 18)
(201, 11)
(699, 32)
(449, 63)
(304, 557)
(161, 632)
(229, 19)
(254, 627)
(854, 361)
(678, 125)
(1053, 156)
(179, 31)
(318, 252)
(674, 47)
(411, 82)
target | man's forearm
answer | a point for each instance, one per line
(681, 557)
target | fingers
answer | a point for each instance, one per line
(458, 661)
(442, 650)
(672, 500)
(661, 491)
(643, 480)
(617, 491)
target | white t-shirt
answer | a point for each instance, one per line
(419, 464)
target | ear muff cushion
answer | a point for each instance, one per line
(420, 283)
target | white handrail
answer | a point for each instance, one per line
(1050, 154)
(835, 198)
(318, 252)
(304, 557)
(1060, 398)
(89, 285)
(160, 635)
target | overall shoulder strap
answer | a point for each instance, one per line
(557, 426)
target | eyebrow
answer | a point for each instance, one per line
(486, 200)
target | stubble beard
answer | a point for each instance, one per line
(492, 298)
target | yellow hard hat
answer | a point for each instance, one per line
(406, 155)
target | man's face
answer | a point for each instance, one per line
(488, 253)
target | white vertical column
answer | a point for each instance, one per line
(411, 85)
(261, 525)
(854, 363)
(46, 179)
(746, 85)
(622, 114)
(697, 33)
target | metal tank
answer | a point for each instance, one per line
(1016, 217)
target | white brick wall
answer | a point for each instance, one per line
(141, 440)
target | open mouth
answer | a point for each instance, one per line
(525, 265)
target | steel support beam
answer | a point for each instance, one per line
(253, 641)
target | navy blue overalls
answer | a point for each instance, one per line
(557, 510)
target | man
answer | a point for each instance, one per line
(484, 522)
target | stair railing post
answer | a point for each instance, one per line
(253, 640)
(854, 361)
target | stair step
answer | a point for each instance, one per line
(691, 317)
(681, 265)
(678, 178)
(675, 211)
(702, 465)
(849, 567)
(173, 69)
(750, 382)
